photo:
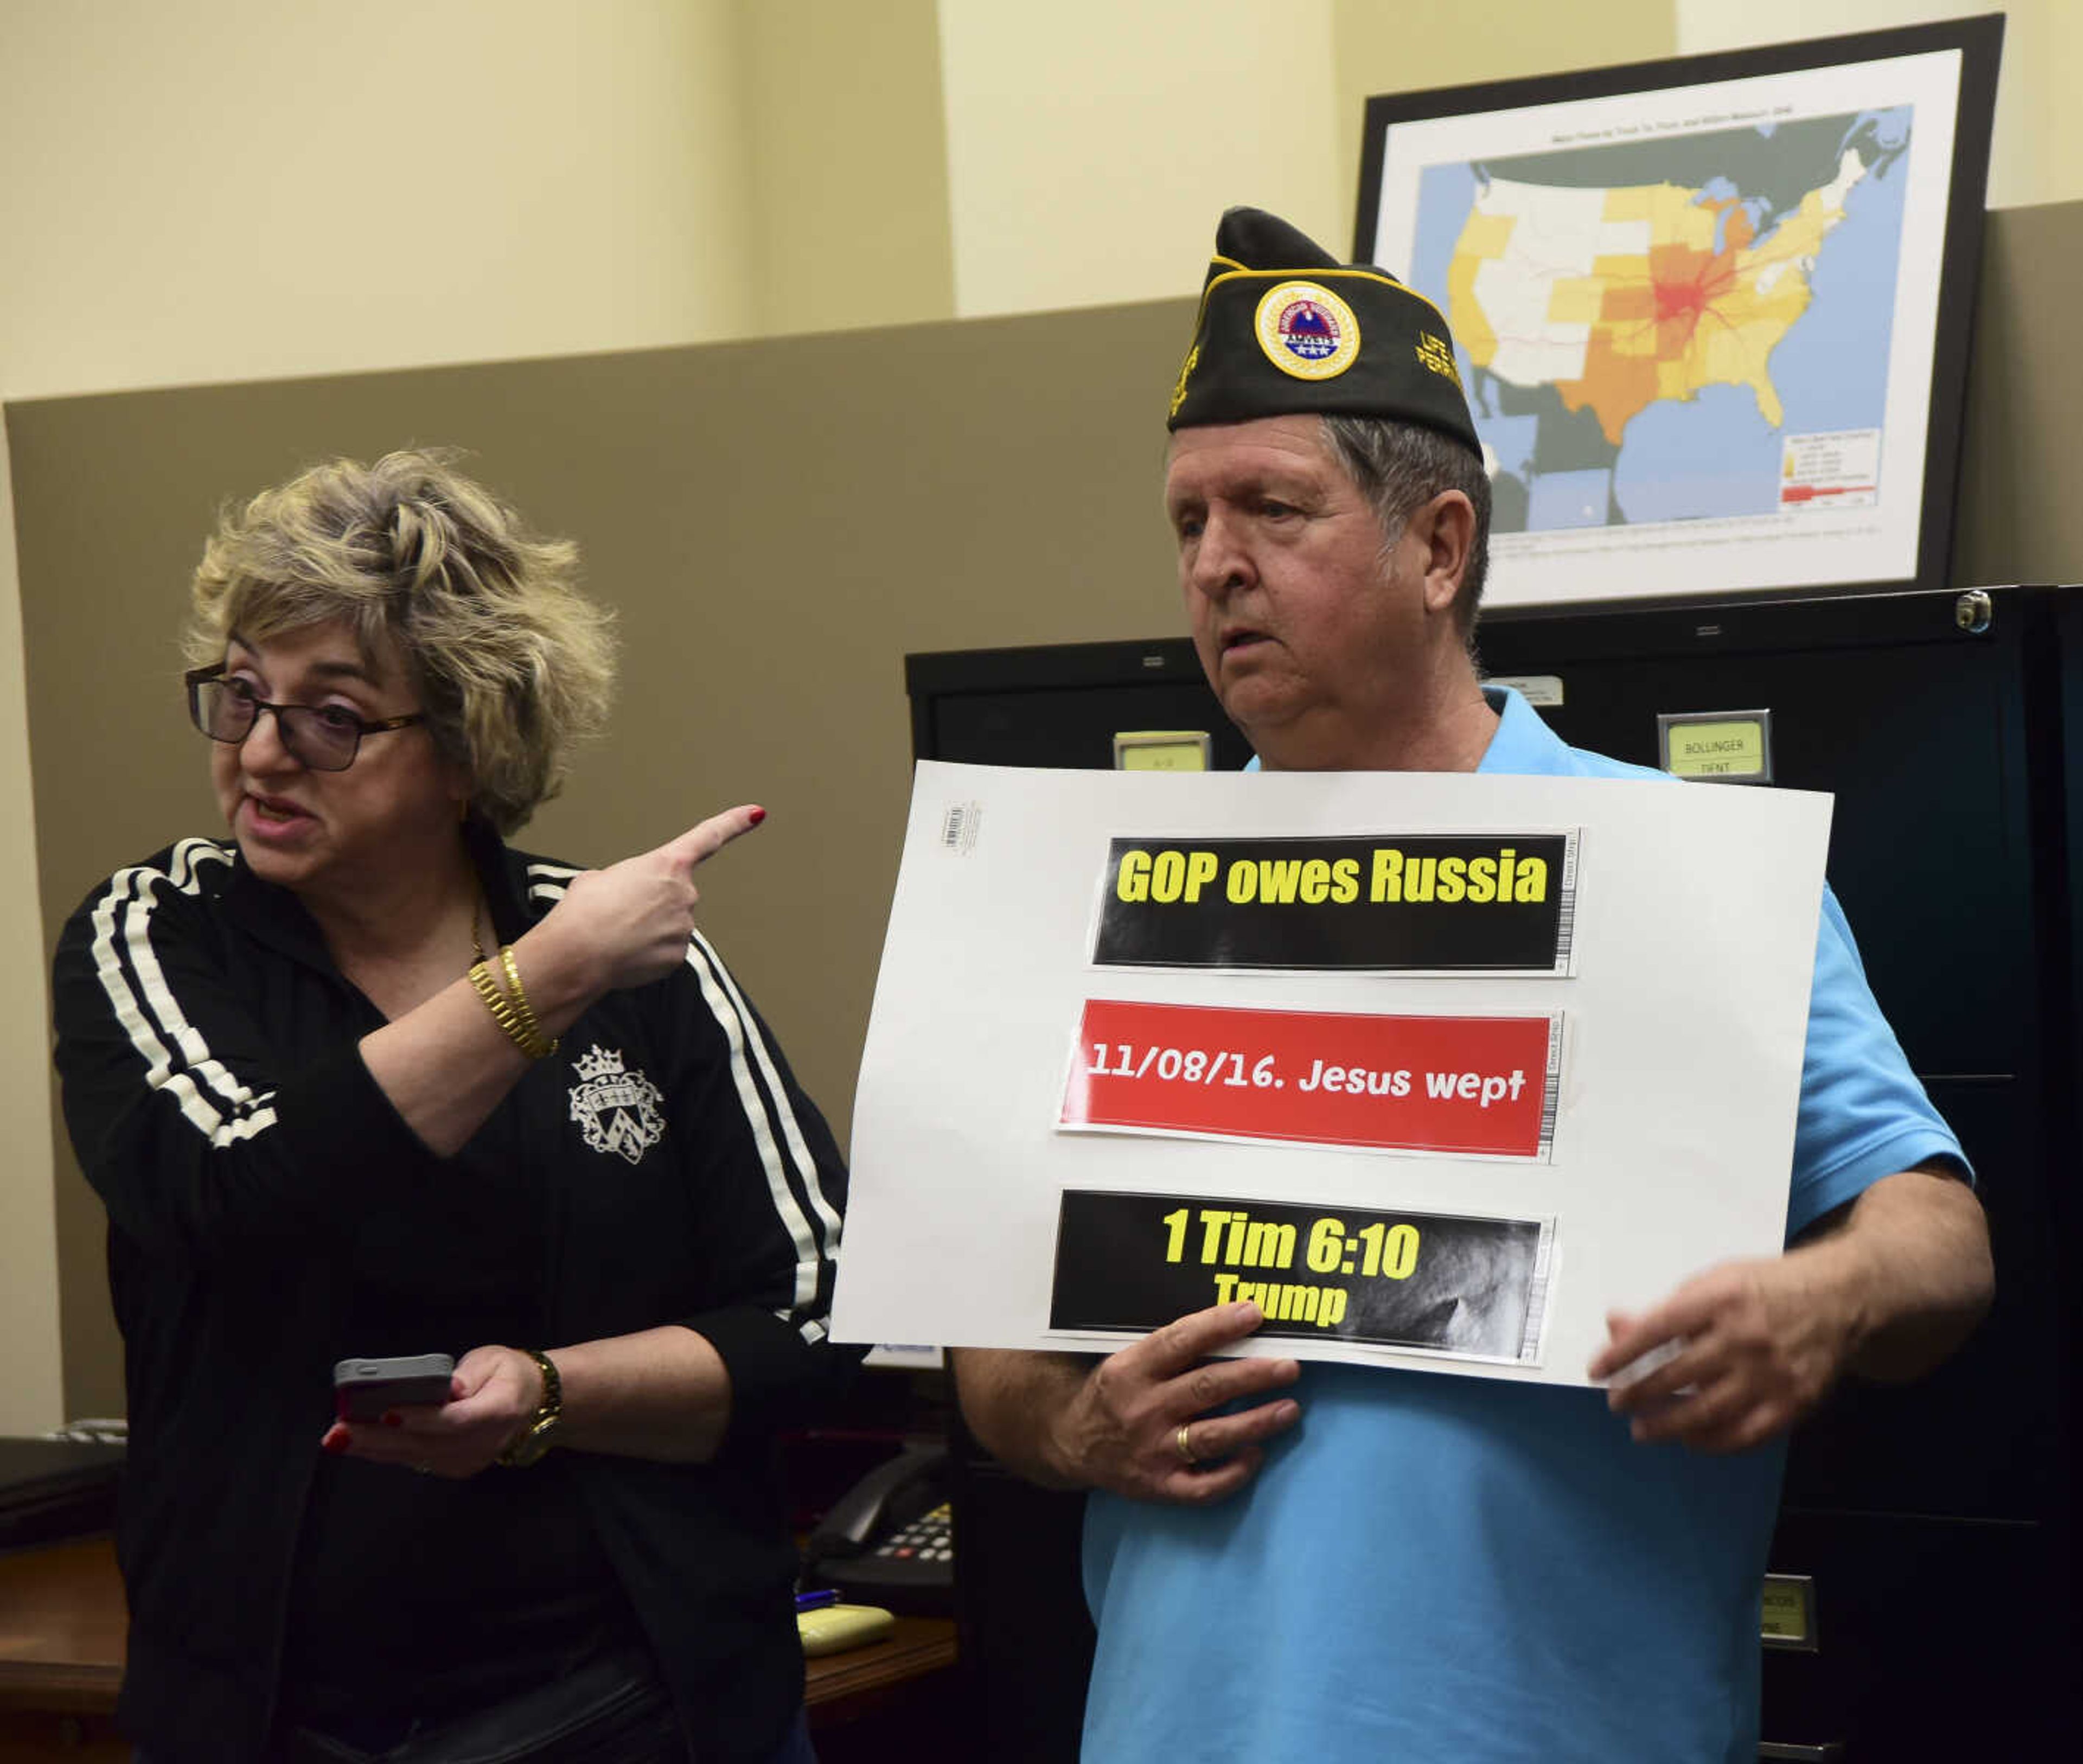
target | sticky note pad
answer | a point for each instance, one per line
(837, 1628)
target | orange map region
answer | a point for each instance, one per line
(1683, 310)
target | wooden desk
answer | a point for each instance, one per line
(62, 1646)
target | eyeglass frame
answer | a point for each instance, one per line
(196, 678)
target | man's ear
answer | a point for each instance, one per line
(1446, 527)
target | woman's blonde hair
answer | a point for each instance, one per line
(513, 665)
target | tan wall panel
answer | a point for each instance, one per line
(31, 1391)
(1418, 44)
(846, 152)
(2036, 154)
(2021, 518)
(779, 523)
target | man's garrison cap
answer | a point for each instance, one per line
(1284, 328)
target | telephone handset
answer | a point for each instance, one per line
(888, 1541)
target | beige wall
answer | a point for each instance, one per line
(1092, 144)
(847, 147)
(1415, 44)
(237, 189)
(2037, 155)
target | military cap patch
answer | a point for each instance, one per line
(1306, 330)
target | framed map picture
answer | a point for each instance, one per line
(1712, 314)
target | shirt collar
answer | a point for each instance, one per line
(1521, 743)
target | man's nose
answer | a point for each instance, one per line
(1221, 562)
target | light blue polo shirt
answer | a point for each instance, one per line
(1434, 1567)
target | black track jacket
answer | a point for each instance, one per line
(218, 1104)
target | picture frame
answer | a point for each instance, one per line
(1712, 313)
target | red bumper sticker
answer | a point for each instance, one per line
(1481, 1087)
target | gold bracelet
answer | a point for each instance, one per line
(536, 1434)
(503, 1014)
(521, 1006)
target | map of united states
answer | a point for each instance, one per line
(1651, 329)
(1621, 297)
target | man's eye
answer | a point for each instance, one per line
(335, 719)
(1273, 508)
(243, 690)
(1187, 527)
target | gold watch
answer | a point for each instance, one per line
(536, 1434)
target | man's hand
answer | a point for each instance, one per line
(1743, 1351)
(1886, 1288)
(1139, 1422)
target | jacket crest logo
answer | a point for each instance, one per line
(617, 1111)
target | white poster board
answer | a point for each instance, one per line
(1439, 1068)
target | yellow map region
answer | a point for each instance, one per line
(1687, 309)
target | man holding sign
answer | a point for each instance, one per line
(1347, 1561)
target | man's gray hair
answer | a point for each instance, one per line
(1399, 467)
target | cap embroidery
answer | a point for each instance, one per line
(1185, 373)
(1437, 354)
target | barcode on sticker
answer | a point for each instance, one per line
(1552, 1096)
(1565, 927)
(958, 825)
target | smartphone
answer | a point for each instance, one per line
(363, 1389)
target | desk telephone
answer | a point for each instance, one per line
(888, 1541)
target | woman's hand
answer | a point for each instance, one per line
(447, 1064)
(492, 1392)
(629, 923)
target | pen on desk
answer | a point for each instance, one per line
(811, 1601)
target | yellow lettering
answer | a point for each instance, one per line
(1269, 1245)
(1278, 877)
(1132, 881)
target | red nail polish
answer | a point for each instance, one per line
(758, 816)
(335, 1443)
(392, 1418)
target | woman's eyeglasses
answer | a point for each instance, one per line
(321, 738)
